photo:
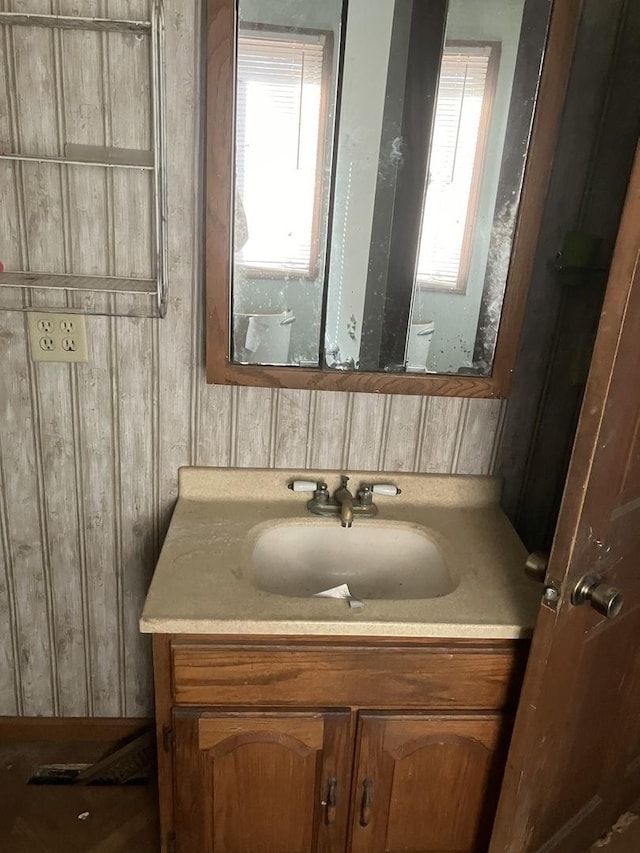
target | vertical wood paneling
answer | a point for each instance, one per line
(254, 419)
(56, 454)
(12, 236)
(365, 433)
(214, 423)
(403, 434)
(83, 85)
(54, 386)
(10, 239)
(442, 419)
(179, 333)
(89, 454)
(10, 231)
(478, 438)
(136, 354)
(34, 82)
(137, 463)
(128, 70)
(9, 668)
(84, 104)
(5, 130)
(60, 506)
(329, 429)
(292, 429)
(10, 664)
(135, 369)
(26, 542)
(97, 512)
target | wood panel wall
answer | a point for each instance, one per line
(89, 453)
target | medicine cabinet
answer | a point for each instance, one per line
(376, 174)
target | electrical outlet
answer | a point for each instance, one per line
(57, 337)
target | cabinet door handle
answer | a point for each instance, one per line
(365, 803)
(331, 800)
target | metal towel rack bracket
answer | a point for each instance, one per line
(93, 156)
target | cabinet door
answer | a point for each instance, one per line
(261, 782)
(426, 783)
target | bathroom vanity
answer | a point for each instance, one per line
(288, 722)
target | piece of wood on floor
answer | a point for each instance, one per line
(74, 819)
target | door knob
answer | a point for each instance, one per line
(606, 599)
(536, 566)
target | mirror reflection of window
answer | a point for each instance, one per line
(280, 130)
(423, 177)
(466, 88)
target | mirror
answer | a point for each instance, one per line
(286, 93)
(379, 154)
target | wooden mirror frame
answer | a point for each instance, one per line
(219, 125)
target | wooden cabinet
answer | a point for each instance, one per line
(297, 746)
(425, 782)
(260, 781)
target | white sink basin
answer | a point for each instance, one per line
(383, 560)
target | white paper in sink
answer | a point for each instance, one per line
(341, 591)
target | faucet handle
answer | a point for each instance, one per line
(306, 486)
(368, 490)
(385, 489)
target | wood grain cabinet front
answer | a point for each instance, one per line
(261, 781)
(388, 773)
(425, 783)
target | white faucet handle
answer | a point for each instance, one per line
(385, 489)
(304, 485)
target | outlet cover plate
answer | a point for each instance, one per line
(57, 337)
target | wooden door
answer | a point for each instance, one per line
(261, 782)
(574, 762)
(426, 783)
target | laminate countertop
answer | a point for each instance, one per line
(203, 582)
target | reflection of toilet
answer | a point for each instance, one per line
(420, 336)
(262, 338)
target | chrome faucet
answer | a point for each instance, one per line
(343, 503)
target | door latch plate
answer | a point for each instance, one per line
(552, 593)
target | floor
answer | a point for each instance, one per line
(64, 819)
